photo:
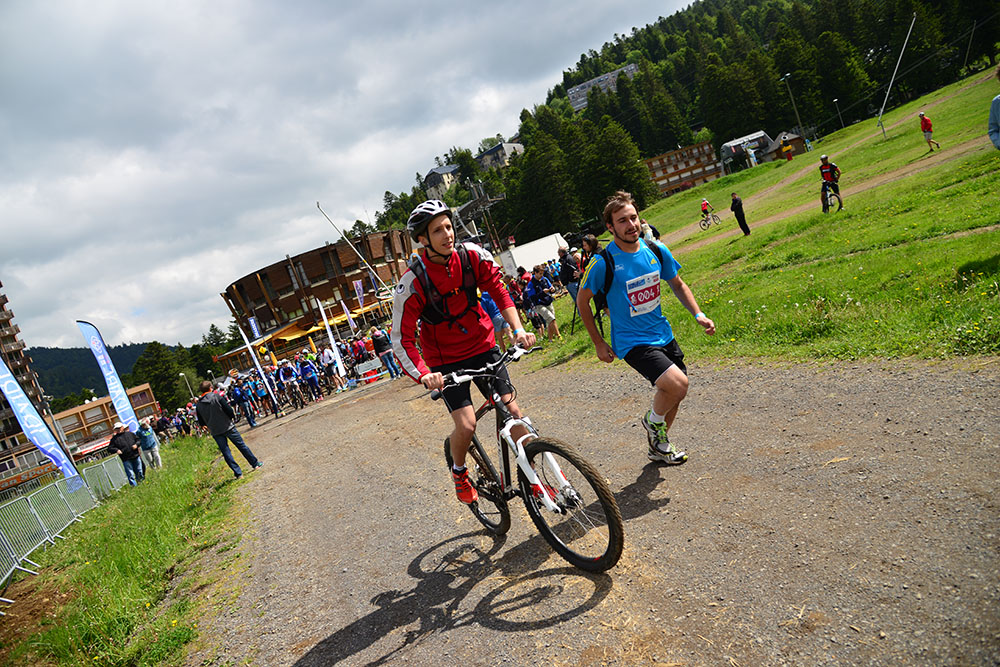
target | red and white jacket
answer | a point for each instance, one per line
(445, 343)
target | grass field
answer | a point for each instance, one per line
(113, 592)
(910, 267)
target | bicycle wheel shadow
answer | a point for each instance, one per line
(446, 574)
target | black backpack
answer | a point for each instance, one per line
(435, 310)
(601, 296)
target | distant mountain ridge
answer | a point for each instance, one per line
(64, 371)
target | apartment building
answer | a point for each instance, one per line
(14, 445)
(684, 168)
(578, 94)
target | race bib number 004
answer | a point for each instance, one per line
(643, 294)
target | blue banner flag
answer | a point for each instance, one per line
(32, 423)
(119, 397)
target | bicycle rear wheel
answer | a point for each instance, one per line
(491, 509)
(704, 223)
(587, 531)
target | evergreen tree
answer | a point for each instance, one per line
(158, 366)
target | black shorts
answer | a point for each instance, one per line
(652, 360)
(458, 396)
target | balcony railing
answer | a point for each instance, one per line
(12, 330)
(3, 299)
(13, 347)
(5, 315)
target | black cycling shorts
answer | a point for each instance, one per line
(458, 396)
(652, 360)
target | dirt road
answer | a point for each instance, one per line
(829, 514)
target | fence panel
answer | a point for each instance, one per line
(116, 472)
(97, 480)
(80, 500)
(8, 561)
(54, 513)
(22, 527)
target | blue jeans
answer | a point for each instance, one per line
(248, 413)
(133, 470)
(234, 436)
(389, 361)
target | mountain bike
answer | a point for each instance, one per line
(829, 198)
(708, 219)
(566, 498)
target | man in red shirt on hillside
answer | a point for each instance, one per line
(928, 130)
(438, 293)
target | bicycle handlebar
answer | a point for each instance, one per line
(512, 354)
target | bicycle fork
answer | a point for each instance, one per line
(542, 491)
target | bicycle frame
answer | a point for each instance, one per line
(505, 422)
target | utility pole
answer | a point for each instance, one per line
(838, 113)
(969, 47)
(889, 89)
(794, 108)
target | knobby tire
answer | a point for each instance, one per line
(589, 532)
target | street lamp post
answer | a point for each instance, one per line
(792, 98)
(838, 113)
(212, 376)
(188, 383)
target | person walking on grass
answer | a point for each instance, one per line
(215, 414)
(928, 129)
(125, 444)
(737, 208)
(149, 445)
(640, 334)
(993, 124)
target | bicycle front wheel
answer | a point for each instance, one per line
(491, 509)
(716, 220)
(587, 530)
(836, 203)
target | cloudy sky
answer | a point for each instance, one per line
(153, 153)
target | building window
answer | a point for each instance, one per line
(291, 276)
(331, 264)
(266, 281)
(302, 274)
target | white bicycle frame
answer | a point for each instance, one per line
(517, 446)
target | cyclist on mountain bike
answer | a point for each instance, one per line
(705, 208)
(438, 292)
(831, 178)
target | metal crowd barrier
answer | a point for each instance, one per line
(30, 521)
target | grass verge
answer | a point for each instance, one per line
(124, 569)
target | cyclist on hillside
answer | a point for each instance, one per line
(831, 179)
(640, 334)
(438, 292)
(706, 208)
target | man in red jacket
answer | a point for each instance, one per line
(928, 130)
(438, 292)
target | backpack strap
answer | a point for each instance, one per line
(435, 311)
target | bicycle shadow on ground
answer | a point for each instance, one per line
(446, 574)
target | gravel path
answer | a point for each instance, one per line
(830, 514)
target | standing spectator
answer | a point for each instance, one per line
(383, 348)
(993, 125)
(541, 290)
(737, 208)
(569, 273)
(126, 446)
(590, 246)
(149, 446)
(500, 326)
(329, 361)
(215, 414)
(928, 130)
(640, 334)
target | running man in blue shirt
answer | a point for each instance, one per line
(640, 334)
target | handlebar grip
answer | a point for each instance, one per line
(435, 394)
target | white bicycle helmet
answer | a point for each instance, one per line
(423, 214)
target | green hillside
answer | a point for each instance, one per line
(64, 371)
(910, 267)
